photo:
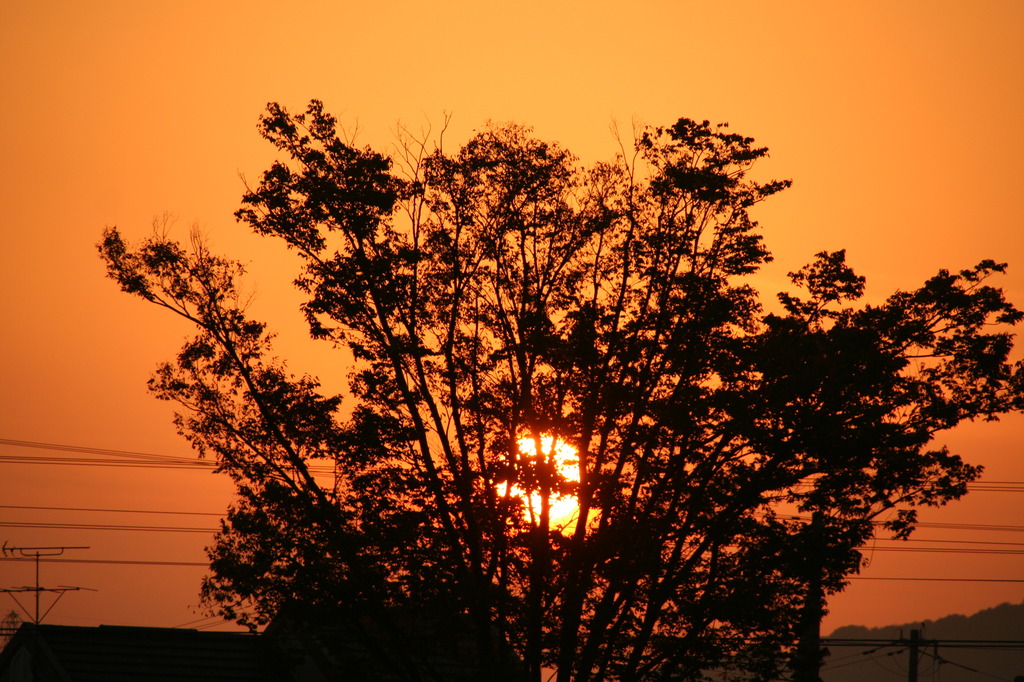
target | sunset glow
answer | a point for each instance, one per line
(899, 124)
(564, 509)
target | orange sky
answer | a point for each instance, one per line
(899, 123)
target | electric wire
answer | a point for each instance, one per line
(857, 661)
(973, 527)
(103, 526)
(110, 511)
(938, 661)
(113, 562)
(128, 454)
(136, 459)
(192, 624)
(133, 459)
(989, 548)
(143, 562)
(210, 530)
(834, 660)
(879, 642)
(114, 458)
(888, 657)
(950, 526)
(947, 580)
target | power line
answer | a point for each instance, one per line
(948, 526)
(853, 659)
(914, 647)
(974, 526)
(952, 643)
(144, 562)
(221, 514)
(115, 562)
(197, 466)
(947, 580)
(200, 623)
(131, 454)
(211, 625)
(114, 458)
(911, 545)
(102, 526)
(102, 456)
(997, 487)
(112, 511)
(948, 550)
(957, 542)
(136, 459)
(190, 529)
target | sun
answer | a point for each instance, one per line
(563, 509)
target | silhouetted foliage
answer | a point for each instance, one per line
(503, 292)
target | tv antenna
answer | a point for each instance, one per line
(36, 553)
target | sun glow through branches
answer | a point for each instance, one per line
(563, 509)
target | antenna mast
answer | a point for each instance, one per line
(35, 553)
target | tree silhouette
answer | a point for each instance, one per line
(503, 294)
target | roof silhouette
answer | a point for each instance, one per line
(65, 653)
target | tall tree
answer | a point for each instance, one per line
(522, 334)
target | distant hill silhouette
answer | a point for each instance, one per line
(1003, 622)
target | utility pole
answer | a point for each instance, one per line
(915, 641)
(807, 658)
(35, 553)
(916, 646)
